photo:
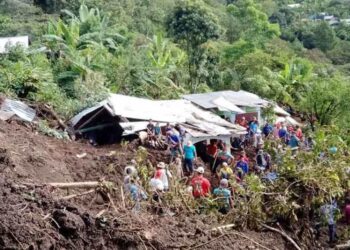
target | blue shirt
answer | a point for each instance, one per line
(282, 133)
(293, 142)
(174, 139)
(243, 165)
(224, 196)
(135, 194)
(157, 130)
(267, 129)
(253, 126)
(190, 152)
(328, 211)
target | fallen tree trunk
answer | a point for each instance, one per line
(343, 246)
(77, 195)
(87, 184)
(58, 119)
(286, 236)
(220, 228)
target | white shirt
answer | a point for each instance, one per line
(156, 185)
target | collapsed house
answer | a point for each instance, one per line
(121, 115)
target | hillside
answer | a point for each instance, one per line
(282, 50)
(34, 216)
(295, 53)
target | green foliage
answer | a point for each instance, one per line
(327, 99)
(192, 26)
(253, 23)
(121, 46)
(324, 37)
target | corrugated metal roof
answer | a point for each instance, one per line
(85, 112)
(173, 111)
(239, 98)
(225, 105)
(18, 108)
(281, 111)
(13, 41)
(142, 109)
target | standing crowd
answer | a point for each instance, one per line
(212, 171)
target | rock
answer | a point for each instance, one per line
(70, 224)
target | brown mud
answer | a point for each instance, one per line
(33, 216)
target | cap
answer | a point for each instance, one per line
(161, 165)
(224, 182)
(200, 170)
(224, 164)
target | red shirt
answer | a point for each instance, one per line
(243, 123)
(299, 133)
(212, 149)
(201, 186)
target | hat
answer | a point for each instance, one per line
(200, 170)
(224, 164)
(129, 170)
(224, 182)
(161, 165)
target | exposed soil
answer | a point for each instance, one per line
(34, 217)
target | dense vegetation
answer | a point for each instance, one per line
(164, 48)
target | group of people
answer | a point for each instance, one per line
(213, 176)
(220, 168)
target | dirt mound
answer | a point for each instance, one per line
(35, 216)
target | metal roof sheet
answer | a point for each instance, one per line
(239, 98)
(18, 108)
(179, 111)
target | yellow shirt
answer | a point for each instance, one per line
(226, 173)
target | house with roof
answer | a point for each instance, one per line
(233, 105)
(121, 115)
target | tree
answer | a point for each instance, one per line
(327, 100)
(254, 23)
(79, 45)
(192, 26)
(324, 37)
